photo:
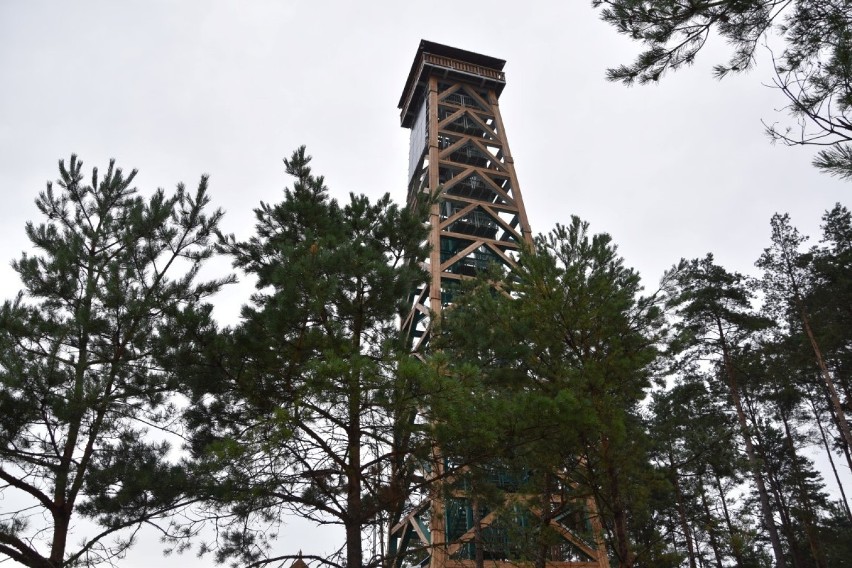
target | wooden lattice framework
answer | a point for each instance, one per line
(460, 151)
(458, 144)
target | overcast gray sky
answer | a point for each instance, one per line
(177, 89)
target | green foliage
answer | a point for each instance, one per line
(713, 307)
(544, 376)
(813, 70)
(92, 352)
(770, 370)
(829, 299)
(788, 281)
(300, 416)
(716, 321)
(548, 384)
(693, 446)
(836, 536)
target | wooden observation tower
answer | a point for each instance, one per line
(458, 144)
(459, 148)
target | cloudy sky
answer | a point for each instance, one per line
(228, 88)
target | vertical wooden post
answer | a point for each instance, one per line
(434, 212)
(510, 163)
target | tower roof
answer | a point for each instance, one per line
(299, 563)
(476, 68)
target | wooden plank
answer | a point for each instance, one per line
(453, 88)
(502, 208)
(461, 111)
(415, 305)
(469, 534)
(480, 100)
(516, 188)
(458, 215)
(419, 530)
(451, 276)
(464, 172)
(411, 514)
(453, 147)
(503, 223)
(488, 154)
(502, 244)
(501, 254)
(481, 172)
(573, 539)
(458, 256)
(487, 128)
(456, 563)
(568, 535)
(442, 125)
(485, 174)
(434, 212)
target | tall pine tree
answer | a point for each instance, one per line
(570, 343)
(91, 353)
(300, 416)
(715, 319)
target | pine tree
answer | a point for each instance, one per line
(571, 344)
(813, 68)
(772, 398)
(787, 282)
(714, 310)
(692, 434)
(92, 352)
(830, 297)
(300, 418)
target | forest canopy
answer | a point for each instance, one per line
(704, 420)
(808, 44)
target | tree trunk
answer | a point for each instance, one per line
(828, 453)
(826, 376)
(478, 552)
(732, 532)
(681, 513)
(808, 516)
(843, 445)
(61, 525)
(752, 457)
(399, 482)
(786, 520)
(711, 531)
(546, 516)
(62, 506)
(778, 491)
(619, 515)
(619, 519)
(354, 509)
